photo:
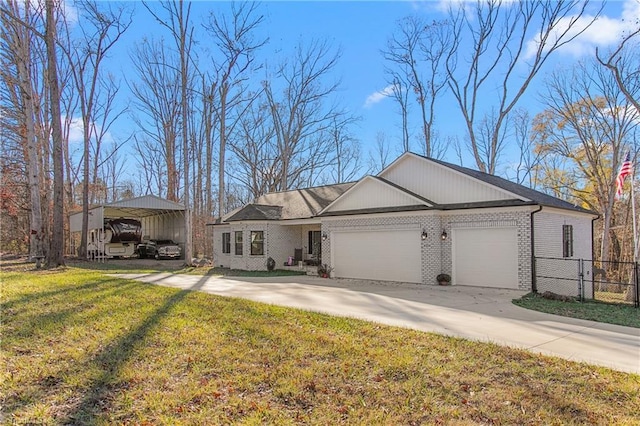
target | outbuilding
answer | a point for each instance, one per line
(160, 219)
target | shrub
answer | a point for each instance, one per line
(443, 278)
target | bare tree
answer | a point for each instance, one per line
(348, 159)
(150, 160)
(101, 28)
(255, 150)
(181, 28)
(380, 158)
(157, 98)
(56, 249)
(400, 90)
(302, 113)
(624, 64)
(504, 37)
(16, 72)
(589, 123)
(234, 38)
(112, 170)
(416, 53)
(529, 159)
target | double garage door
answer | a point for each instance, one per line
(485, 257)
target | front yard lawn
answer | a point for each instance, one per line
(588, 310)
(80, 347)
(135, 265)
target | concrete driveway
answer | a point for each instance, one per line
(481, 314)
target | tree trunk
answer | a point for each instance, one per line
(56, 250)
(22, 40)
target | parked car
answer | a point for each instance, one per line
(159, 249)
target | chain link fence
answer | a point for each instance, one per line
(611, 281)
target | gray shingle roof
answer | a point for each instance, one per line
(256, 212)
(294, 204)
(309, 202)
(536, 196)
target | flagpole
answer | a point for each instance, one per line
(633, 212)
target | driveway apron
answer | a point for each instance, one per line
(482, 314)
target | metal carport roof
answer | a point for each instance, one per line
(139, 207)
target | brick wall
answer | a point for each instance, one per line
(221, 259)
(436, 254)
(548, 234)
(280, 242)
(548, 243)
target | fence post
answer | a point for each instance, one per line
(636, 281)
(581, 279)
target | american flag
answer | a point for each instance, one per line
(625, 170)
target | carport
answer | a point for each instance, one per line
(160, 219)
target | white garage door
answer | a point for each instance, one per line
(485, 257)
(378, 255)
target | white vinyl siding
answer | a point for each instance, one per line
(372, 193)
(385, 255)
(485, 257)
(440, 184)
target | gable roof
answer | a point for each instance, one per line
(293, 204)
(535, 196)
(411, 174)
(320, 201)
(367, 191)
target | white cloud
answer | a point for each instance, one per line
(469, 6)
(604, 32)
(378, 96)
(67, 8)
(70, 12)
(76, 132)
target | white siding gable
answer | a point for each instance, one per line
(439, 183)
(372, 193)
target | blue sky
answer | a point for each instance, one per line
(360, 29)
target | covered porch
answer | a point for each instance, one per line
(305, 249)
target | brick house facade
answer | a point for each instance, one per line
(418, 218)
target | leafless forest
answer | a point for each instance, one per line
(216, 127)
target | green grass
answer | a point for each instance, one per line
(151, 266)
(80, 347)
(589, 310)
(241, 273)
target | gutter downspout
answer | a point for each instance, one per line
(534, 287)
(593, 256)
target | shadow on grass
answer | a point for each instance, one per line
(28, 298)
(36, 326)
(113, 356)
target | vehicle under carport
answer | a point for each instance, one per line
(160, 219)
